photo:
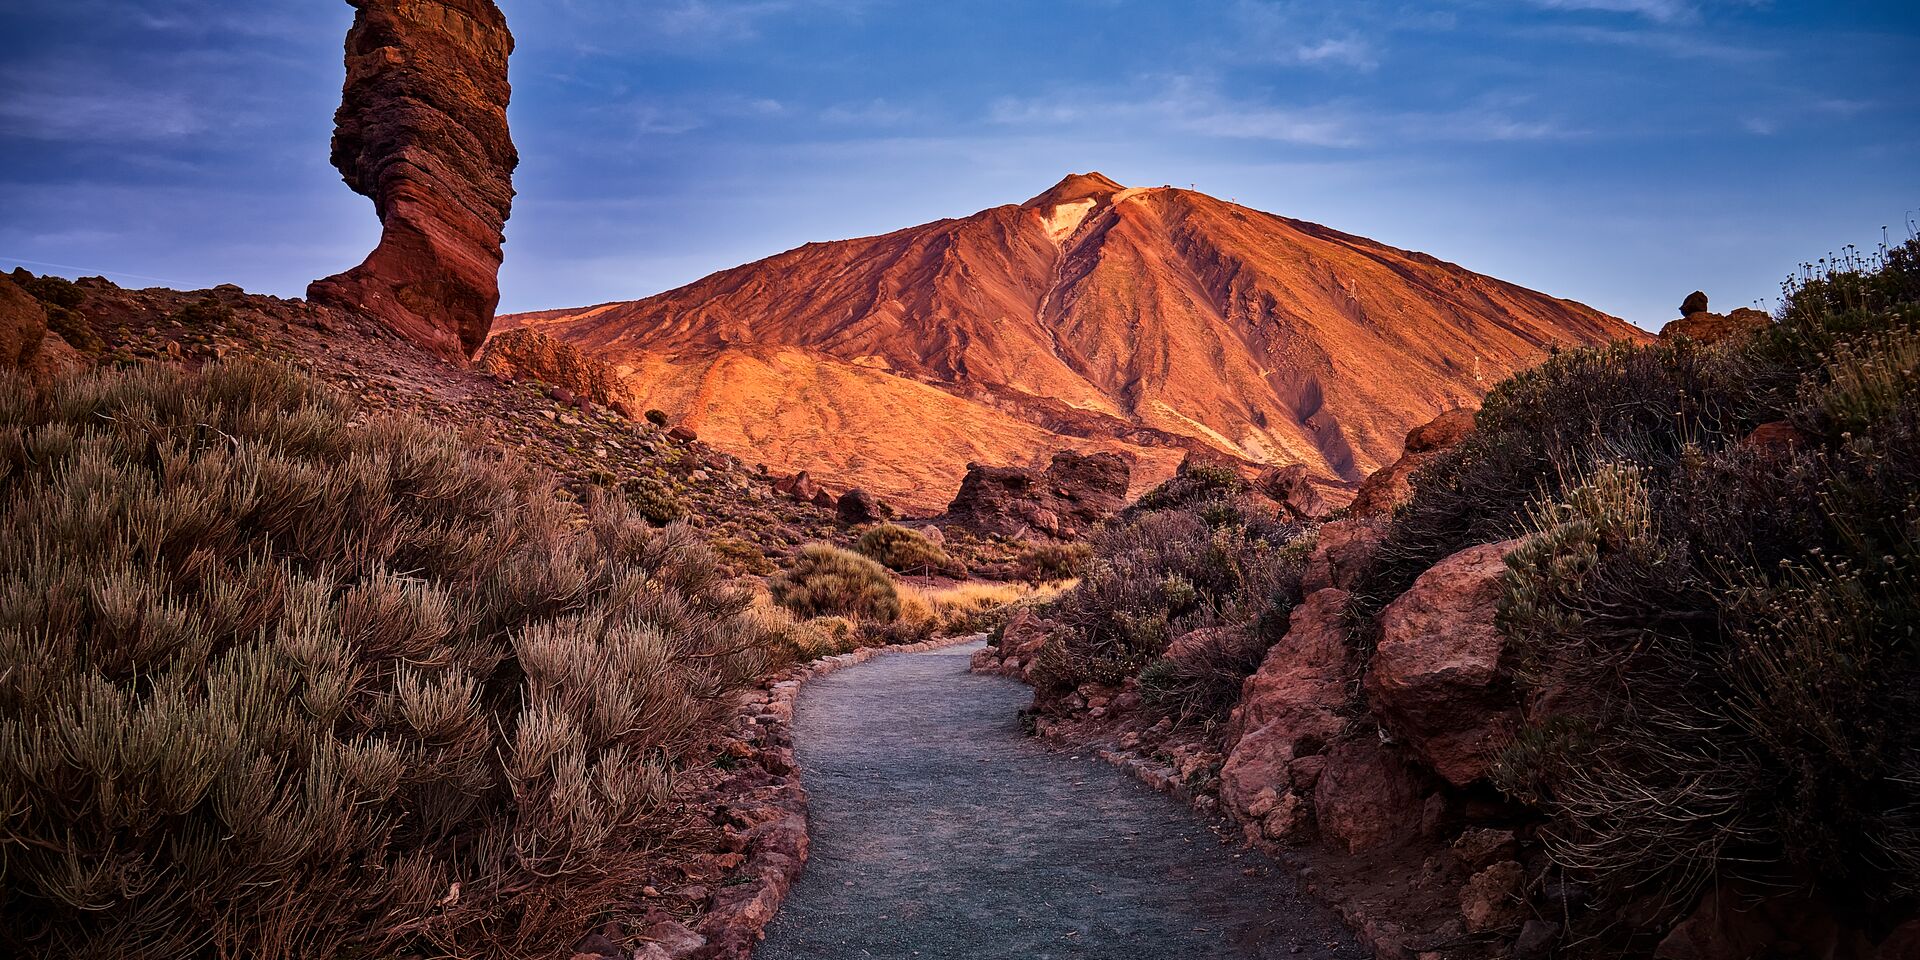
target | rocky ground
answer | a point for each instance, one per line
(610, 449)
(941, 830)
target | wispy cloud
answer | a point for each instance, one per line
(1195, 106)
(102, 113)
(1662, 11)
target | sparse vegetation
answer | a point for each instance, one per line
(1721, 632)
(282, 685)
(1159, 573)
(1053, 562)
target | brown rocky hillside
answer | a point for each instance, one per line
(1149, 322)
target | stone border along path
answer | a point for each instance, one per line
(940, 830)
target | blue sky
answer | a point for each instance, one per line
(1618, 152)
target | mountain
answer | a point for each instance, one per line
(1152, 322)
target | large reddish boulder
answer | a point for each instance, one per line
(1392, 485)
(1291, 706)
(1368, 796)
(1342, 551)
(422, 129)
(799, 486)
(1065, 501)
(532, 355)
(1436, 677)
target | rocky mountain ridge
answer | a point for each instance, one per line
(1156, 323)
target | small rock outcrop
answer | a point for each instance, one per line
(1696, 323)
(1292, 488)
(1435, 677)
(26, 344)
(1392, 485)
(422, 130)
(1342, 551)
(1367, 796)
(1064, 501)
(800, 486)
(530, 355)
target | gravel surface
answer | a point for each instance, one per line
(940, 830)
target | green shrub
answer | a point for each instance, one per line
(1194, 483)
(908, 551)
(826, 581)
(655, 500)
(277, 684)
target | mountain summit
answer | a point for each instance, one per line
(1153, 322)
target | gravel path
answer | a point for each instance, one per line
(941, 831)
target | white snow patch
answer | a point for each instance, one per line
(1067, 217)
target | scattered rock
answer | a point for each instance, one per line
(857, 506)
(1392, 485)
(1435, 678)
(1063, 502)
(1480, 847)
(682, 434)
(422, 129)
(799, 486)
(1490, 902)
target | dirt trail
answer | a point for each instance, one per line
(940, 830)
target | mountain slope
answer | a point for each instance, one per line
(1151, 322)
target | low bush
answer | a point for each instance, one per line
(277, 684)
(908, 551)
(826, 581)
(1157, 574)
(1053, 562)
(654, 499)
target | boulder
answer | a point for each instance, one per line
(1291, 708)
(422, 130)
(1491, 900)
(1291, 487)
(1062, 502)
(682, 433)
(799, 486)
(1435, 678)
(1736, 921)
(1696, 302)
(1392, 485)
(1342, 551)
(1368, 796)
(1776, 438)
(857, 506)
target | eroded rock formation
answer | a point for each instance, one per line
(1697, 323)
(422, 130)
(1064, 501)
(26, 344)
(529, 355)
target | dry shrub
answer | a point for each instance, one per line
(277, 684)
(1053, 562)
(826, 581)
(908, 551)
